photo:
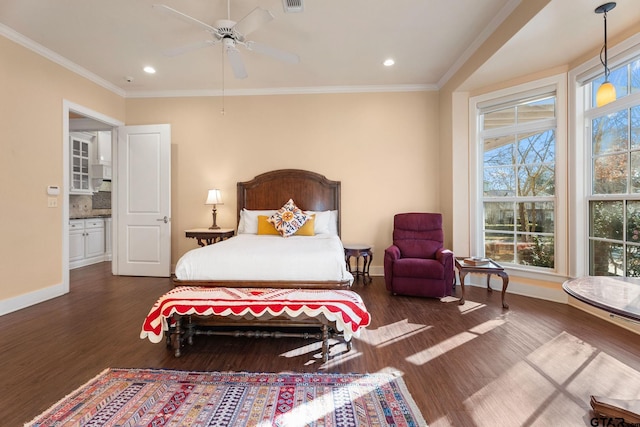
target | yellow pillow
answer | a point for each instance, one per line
(307, 228)
(265, 227)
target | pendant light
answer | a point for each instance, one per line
(606, 92)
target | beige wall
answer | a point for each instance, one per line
(383, 147)
(32, 91)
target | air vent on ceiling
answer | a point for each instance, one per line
(292, 6)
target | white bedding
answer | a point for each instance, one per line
(265, 258)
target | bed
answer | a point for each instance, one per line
(256, 260)
(307, 272)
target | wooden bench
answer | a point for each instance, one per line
(187, 311)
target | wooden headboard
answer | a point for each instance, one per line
(309, 190)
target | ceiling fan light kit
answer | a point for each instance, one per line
(232, 34)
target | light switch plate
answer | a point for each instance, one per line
(52, 202)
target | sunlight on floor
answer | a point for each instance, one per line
(309, 348)
(336, 360)
(392, 333)
(307, 414)
(441, 348)
(337, 353)
(470, 306)
(557, 378)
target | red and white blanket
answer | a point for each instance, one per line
(342, 307)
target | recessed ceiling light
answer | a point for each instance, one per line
(388, 62)
(149, 69)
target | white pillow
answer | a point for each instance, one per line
(326, 222)
(333, 223)
(249, 220)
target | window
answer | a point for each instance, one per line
(614, 199)
(518, 172)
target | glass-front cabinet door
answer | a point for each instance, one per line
(80, 178)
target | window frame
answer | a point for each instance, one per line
(556, 84)
(581, 114)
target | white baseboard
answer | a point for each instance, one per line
(552, 292)
(23, 301)
(540, 292)
(376, 270)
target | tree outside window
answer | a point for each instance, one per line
(519, 154)
(614, 202)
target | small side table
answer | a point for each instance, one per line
(490, 268)
(207, 236)
(359, 251)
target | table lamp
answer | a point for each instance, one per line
(214, 197)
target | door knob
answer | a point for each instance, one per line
(165, 219)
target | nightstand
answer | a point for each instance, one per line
(207, 236)
(359, 251)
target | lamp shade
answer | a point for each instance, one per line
(606, 94)
(214, 197)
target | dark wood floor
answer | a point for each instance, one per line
(472, 365)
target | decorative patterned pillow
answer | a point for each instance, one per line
(288, 219)
(308, 228)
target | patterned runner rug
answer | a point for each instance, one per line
(147, 397)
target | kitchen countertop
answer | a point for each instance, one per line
(90, 216)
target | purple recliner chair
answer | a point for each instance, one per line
(417, 263)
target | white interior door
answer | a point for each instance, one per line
(144, 200)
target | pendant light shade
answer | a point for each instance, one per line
(606, 92)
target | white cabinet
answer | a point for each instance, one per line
(76, 241)
(90, 161)
(79, 164)
(101, 165)
(103, 151)
(86, 242)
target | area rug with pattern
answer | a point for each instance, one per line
(159, 397)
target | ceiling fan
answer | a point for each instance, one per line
(231, 34)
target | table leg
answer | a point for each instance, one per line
(462, 276)
(325, 343)
(366, 278)
(505, 283)
(177, 339)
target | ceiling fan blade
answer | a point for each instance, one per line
(237, 65)
(185, 18)
(188, 48)
(254, 20)
(291, 58)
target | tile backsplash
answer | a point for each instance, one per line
(82, 205)
(101, 200)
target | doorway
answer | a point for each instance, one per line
(141, 168)
(77, 118)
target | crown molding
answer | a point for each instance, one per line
(497, 20)
(18, 38)
(281, 91)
